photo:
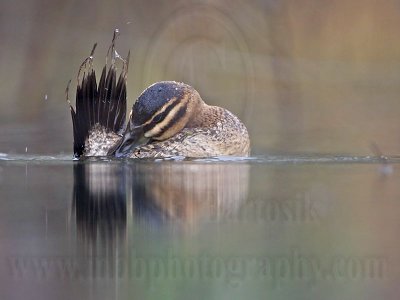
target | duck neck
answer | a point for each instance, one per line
(203, 115)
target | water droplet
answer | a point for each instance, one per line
(386, 169)
(26, 149)
(45, 97)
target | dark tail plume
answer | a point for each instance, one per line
(103, 104)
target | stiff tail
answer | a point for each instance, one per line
(104, 104)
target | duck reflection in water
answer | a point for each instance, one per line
(108, 195)
(112, 199)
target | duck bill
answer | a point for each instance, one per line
(132, 138)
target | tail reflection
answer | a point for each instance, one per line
(99, 200)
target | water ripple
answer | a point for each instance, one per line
(259, 159)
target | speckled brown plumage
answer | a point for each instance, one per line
(225, 136)
(100, 141)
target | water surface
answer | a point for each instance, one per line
(274, 227)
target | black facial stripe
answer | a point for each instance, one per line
(161, 116)
(179, 114)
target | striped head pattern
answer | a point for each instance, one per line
(159, 113)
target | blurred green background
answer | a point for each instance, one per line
(305, 76)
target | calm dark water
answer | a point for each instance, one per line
(265, 227)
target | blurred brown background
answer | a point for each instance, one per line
(305, 76)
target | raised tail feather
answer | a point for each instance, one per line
(103, 105)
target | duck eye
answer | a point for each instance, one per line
(158, 118)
